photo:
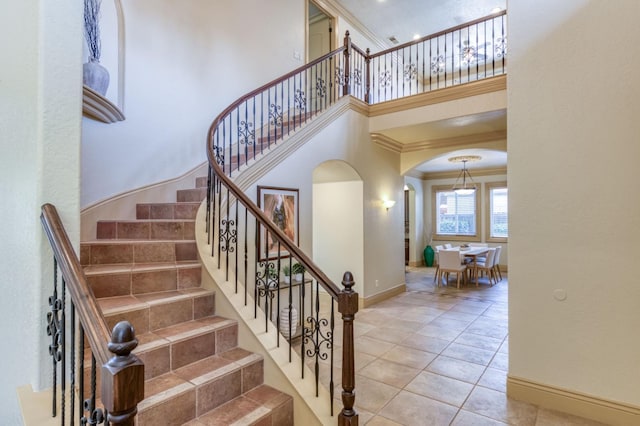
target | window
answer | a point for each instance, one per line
(456, 215)
(497, 211)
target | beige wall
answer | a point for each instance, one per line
(573, 152)
(185, 63)
(347, 139)
(40, 96)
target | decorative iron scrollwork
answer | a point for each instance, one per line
(501, 47)
(246, 134)
(275, 114)
(341, 79)
(356, 77)
(321, 87)
(317, 342)
(228, 235)
(219, 155)
(97, 416)
(54, 328)
(300, 100)
(410, 72)
(384, 78)
(437, 64)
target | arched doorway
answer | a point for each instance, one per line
(338, 221)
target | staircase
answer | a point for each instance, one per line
(146, 271)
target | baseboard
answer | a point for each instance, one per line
(572, 402)
(384, 295)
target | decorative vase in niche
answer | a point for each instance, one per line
(284, 321)
(95, 76)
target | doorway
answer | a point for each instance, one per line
(320, 26)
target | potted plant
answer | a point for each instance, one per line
(272, 276)
(297, 270)
(286, 270)
(94, 75)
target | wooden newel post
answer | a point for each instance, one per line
(367, 61)
(348, 306)
(346, 89)
(122, 377)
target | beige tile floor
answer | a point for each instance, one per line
(439, 356)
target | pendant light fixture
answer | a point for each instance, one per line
(464, 183)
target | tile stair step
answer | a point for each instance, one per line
(178, 210)
(154, 311)
(125, 279)
(180, 345)
(148, 229)
(201, 182)
(197, 390)
(108, 252)
(191, 195)
(263, 405)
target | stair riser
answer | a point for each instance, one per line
(191, 195)
(160, 230)
(127, 283)
(143, 252)
(184, 210)
(162, 315)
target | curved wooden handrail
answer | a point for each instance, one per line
(249, 204)
(88, 311)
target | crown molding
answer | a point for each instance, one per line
(455, 141)
(391, 144)
(386, 142)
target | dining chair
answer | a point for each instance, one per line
(496, 262)
(450, 263)
(437, 260)
(448, 246)
(486, 266)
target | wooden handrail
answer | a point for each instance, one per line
(438, 34)
(88, 311)
(122, 373)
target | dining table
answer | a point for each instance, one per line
(473, 253)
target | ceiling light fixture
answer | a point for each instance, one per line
(464, 187)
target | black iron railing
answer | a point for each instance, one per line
(462, 54)
(76, 326)
(252, 245)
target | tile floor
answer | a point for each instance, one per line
(439, 356)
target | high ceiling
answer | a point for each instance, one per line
(402, 19)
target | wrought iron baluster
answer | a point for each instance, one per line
(54, 329)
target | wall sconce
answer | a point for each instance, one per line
(387, 204)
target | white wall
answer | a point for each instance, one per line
(347, 139)
(338, 230)
(40, 96)
(574, 215)
(185, 62)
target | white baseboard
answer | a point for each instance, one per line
(572, 402)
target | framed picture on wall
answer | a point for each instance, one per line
(281, 207)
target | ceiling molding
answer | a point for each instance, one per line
(338, 8)
(387, 143)
(454, 174)
(391, 144)
(475, 88)
(455, 141)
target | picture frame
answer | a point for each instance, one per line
(282, 207)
